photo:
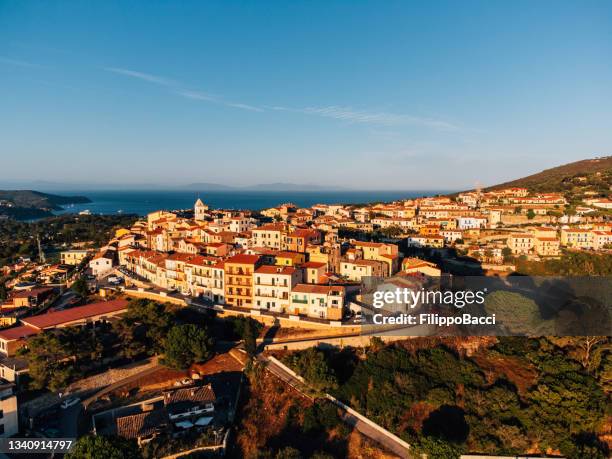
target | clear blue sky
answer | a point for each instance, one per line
(373, 95)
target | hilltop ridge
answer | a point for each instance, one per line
(561, 178)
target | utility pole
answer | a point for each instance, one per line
(41, 254)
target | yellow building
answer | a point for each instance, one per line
(289, 258)
(416, 265)
(387, 253)
(73, 257)
(576, 238)
(239, 271)
(121, 232)
(546, 246)
(355, 270)
(520, 243)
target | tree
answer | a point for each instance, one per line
(436, 448)
(104, 447)
(147, 322)
(49, 361)
(3, 292)
(507, 254)
(80, 287)
(131, 338)
(531, 214)
(250, 338)
(185, 345)
(288, 453)
(312, 365)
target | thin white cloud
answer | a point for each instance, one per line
(332, 111)
(178, 89)
(244, 106)
(196, 95)
(17, 62)
(142, 76)
(380, 118)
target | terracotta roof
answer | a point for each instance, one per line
(310, 288)
(303, 232)
(267, 269)
(31, 292)
(368, 244)
(313, 264)
(416, 263)
(11, 334)
(54, 319)
(142, 424)
(190, 394)
(272, 227)
(243, 259)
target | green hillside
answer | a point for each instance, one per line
(595, 174)
(25, 204)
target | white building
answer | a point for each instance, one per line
(199, 210)
(272, 287)
(320, 301)
(471, 222)
(102, 264)
(9, 424)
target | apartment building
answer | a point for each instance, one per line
(319, 301)
(313, 271)
(9, 423)
(102, 263)
(204, 277)
(576, 238)
(520, 244)
(387, 253)
(286, 258)
(354, 270)
(270, 235)
(272, 287)
(546, 246)
(299, 239)
(471, 222)
(239, 271)
(601, 239)
(451, 235)
(328, 254)
(425, 241)
(73, 257)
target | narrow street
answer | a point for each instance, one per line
(387, 440)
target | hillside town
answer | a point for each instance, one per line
(304, 261)
(301, 268)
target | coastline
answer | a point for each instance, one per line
(141, 202)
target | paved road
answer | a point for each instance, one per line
(120, 383)
(64, 300)
(386, 440)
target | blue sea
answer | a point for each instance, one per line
(143, 202)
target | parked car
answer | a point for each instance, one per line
(183, 382)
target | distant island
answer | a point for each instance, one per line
(279, 186)
(28, 204)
